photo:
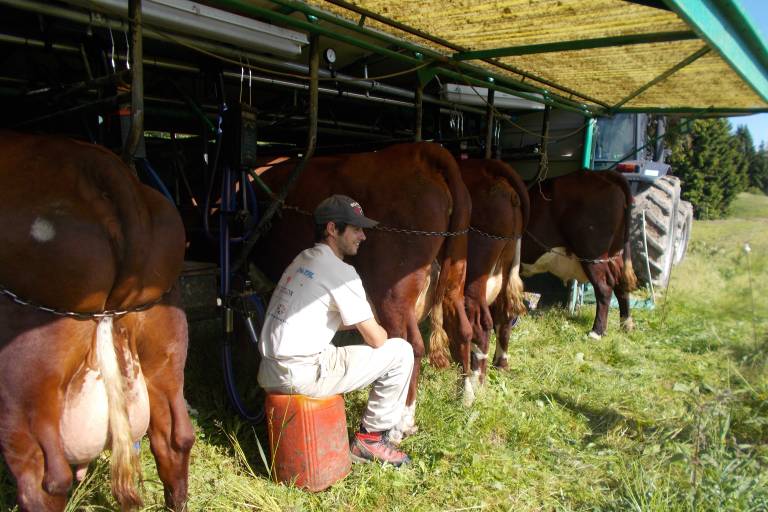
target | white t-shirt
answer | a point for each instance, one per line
(316, 294)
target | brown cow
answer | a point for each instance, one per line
(493, 293)
(81, 235)
(579, 229)
(414, 187)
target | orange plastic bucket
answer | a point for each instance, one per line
(308, 440)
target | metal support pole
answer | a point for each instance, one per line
(277, 203)
(489, 119)
(589, 133)
(419, 107)
(137, 84)
(543, 167)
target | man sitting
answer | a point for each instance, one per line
(318, 294)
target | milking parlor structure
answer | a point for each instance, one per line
(200, 96)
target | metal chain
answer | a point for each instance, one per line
(114, 313)
(584, 260)
(494, 237)
(418, 232)
(381, 227)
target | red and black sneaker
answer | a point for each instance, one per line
(376, 446)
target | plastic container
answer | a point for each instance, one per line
(308, 440)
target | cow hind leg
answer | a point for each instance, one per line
(502, 325)
(417, 342)
(171, 437)
(622, 296)
(26, 462)
(597, 275)
(468, 352)
(162, 347)
(57, 479)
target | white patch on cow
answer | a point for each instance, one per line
(594, 335)
(471, 388)
(80, 472)
(478, 352)
(493, 285)
(427, 292)
(42, 230)
(628, 324)
(84, 424)
(469, 393)
(554, 262)
(498, 354)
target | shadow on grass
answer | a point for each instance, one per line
(603, 421)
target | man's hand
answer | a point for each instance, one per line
(373, 334)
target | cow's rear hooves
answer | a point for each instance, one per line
(628, 325)
(594, 335)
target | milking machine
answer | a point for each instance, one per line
(242, 308)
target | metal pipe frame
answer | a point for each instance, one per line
(136, 131)
(85, 19)
(277, 203)
(489, 124)
(465, 73)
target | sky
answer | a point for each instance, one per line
(757, 12)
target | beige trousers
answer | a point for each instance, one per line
(343, 369)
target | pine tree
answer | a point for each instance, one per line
(709, 162)
(758, 170)
(745, 148)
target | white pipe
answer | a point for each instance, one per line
(206, 22)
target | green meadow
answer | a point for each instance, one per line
(672, 416)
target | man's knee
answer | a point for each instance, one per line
(403, 349)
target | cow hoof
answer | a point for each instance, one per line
(501, 362)
(594, 335)
(628, 324)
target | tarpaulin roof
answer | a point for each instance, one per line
(598, 55)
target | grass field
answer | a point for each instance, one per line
(672, 416)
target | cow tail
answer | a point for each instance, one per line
(438, 339)
(449, 290)
(124, 466)
(514, 290)
(628, 277)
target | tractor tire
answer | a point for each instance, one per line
(658, 202)
(684, 226)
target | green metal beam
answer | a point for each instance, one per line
(446, 67)
(589, 133)
(674, 69)
(727, 30)
(716, 112)
(581, 44)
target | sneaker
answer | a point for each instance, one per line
(376, 446)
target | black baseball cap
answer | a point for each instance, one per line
(340, 208)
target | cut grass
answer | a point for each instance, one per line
(670, 417)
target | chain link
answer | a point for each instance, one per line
(494, 237)
(418, 232)
(391, 229)
(114, 313)
(565, 255)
